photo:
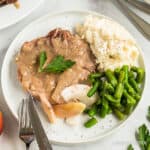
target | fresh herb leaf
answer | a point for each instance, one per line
(148, 114)
(142, 135)
(58, 65)
(42, 60)
(130, 147)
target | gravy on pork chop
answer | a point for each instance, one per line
(47, 87)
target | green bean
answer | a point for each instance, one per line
(134, 84)
(131, 74)
(119, 91)
(121, 76)
(90, 123)
(130, 99)
(129, 88)
(96, 75)
(115, 105)
(117, 71)
(111, 78)
(93, 90)
(109, 110)
(119, 114)
(136, 96)
(42, 60)
(92, 80)
(121, 108)
(140, 73)
(134, 68)
(108, 87)
(128, 109)
(125, 68)
(101, 85)
(92, 112)
(104, 109)
(111, 98)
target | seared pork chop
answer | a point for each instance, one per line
(47, 87)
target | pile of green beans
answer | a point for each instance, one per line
(119, 92)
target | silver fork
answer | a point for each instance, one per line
(26, 132)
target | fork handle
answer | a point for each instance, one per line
(27, 146)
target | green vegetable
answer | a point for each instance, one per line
(125, 68)
(129, 88)
(104, 109)
(108, 87)
(148, 113)
(143, 138)
(58, 65)
(136, 96)
(42, 60)
(140, 73)
(92, 111)
(111, 78)
(131, 74)
(119, 91)
(109, 110)
(93, 90)
(121, 76)
(92, 80)
(119, 114)
(142, 135)
(117, 71)
(128, 109)
(134, 84)
(130, 99)
(90, 123)
(96, 75)
(130, 147)
(111, 98)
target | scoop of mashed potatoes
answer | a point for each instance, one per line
(110, 43)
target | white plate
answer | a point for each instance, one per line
(147, 1)
(9, 15)
(59, 133)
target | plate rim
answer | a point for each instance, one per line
(58, 13)
(21, 17)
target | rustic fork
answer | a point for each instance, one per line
(26, 132)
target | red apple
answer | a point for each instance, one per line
(1, 122)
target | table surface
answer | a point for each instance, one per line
(118, 141)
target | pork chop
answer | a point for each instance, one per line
(47, 87)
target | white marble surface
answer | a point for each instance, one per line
(118, 141)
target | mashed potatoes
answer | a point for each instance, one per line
(110, 43)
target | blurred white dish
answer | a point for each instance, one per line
(148, 1)
(59, 133)
(9, 15)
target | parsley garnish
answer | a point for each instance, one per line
(57, 65)
(130, 147)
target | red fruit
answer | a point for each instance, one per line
(1, 122)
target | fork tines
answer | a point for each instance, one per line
(26, 132)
